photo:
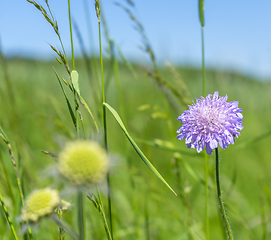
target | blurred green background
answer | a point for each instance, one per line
(34, 116)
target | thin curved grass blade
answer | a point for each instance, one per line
(67, 100)
(83, 102)
(97, 204)
(3, 135)
(137, 149)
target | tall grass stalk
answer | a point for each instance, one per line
(8, 218)
(163, 84)
(88, 62)
(132, 181)
(70, 23)
(131, 177)
(60, 228)
(203, 63)
(146, 218)
(97, 201)
(50, 19)
(80, 201)
(8, 181)
(113, 46)
(98, 12)
(73, 67)
(20, 190)
(93, 60)
(220, 199)
(81, 215)
(201, 17)
(2, 134)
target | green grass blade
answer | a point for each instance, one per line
(67, 100)
(84, 103)
(98, 205)
(139, 152)
(3, 134)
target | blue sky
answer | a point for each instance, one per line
(237, 32)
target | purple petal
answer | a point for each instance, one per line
(210, 122)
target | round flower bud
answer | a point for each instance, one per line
(39, 204)
(83, 162)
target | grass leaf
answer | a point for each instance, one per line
(67, 100)
(75, 81)
(84, 103)
(139, 152)
(97, 204)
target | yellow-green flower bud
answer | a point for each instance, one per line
(40, 203)
(83, 162)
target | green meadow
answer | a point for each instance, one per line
(36, 122)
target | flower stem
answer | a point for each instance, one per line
(201, 16)
(220, 199)
(203, 63)
(207, 197)
(60, 228)
(104, 119)
(73, 67)
(81, 217)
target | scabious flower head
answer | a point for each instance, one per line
(210, 121)
(40, 203)
(83, 162)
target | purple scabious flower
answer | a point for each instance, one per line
(210, 121)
